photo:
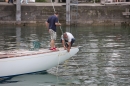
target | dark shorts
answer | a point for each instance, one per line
(72, 41)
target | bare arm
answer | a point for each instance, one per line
(68, 49)
(63, 43)
(57, 24)
(47, 25)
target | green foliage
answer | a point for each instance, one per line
(40, 0)
(97, 0)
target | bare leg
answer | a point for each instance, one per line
(52, 43)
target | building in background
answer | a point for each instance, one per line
(3, 0)
(57, 1)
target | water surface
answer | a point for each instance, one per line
(103, 59)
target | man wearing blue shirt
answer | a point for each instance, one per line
(51, 24)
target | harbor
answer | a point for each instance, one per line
(102, 41)
(103, 58)
(91, 13)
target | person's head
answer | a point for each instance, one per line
(65, 35)
(56, 14)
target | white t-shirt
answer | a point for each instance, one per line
(70, 36)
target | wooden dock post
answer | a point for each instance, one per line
(67, 12)
(18, 12)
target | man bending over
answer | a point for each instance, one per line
(67, 40)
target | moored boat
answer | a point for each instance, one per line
(22, 61)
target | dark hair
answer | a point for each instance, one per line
(56, 13)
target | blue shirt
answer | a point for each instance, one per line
(52, 20)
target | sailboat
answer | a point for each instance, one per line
(19, 62)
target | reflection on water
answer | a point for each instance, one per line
(103, 59)
(23, 38)
(37, 79)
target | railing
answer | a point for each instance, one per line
(3, 0)
(115, 1)
(82, 1)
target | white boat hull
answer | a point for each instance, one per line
(34, 63)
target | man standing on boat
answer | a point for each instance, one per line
(67, 40)
(51, 24)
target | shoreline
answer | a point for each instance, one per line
(87, 13)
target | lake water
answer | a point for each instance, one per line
(103, 59)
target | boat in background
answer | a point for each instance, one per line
(23, 61)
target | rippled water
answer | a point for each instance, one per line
(103, 59)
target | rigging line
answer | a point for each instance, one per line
(58, 62)
(61, 31)
(55, 11)
(59, 50)
(57, 68)
(75, 62)
(53, 6)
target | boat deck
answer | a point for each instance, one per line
(19, 53)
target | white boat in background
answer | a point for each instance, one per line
(22, 62)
